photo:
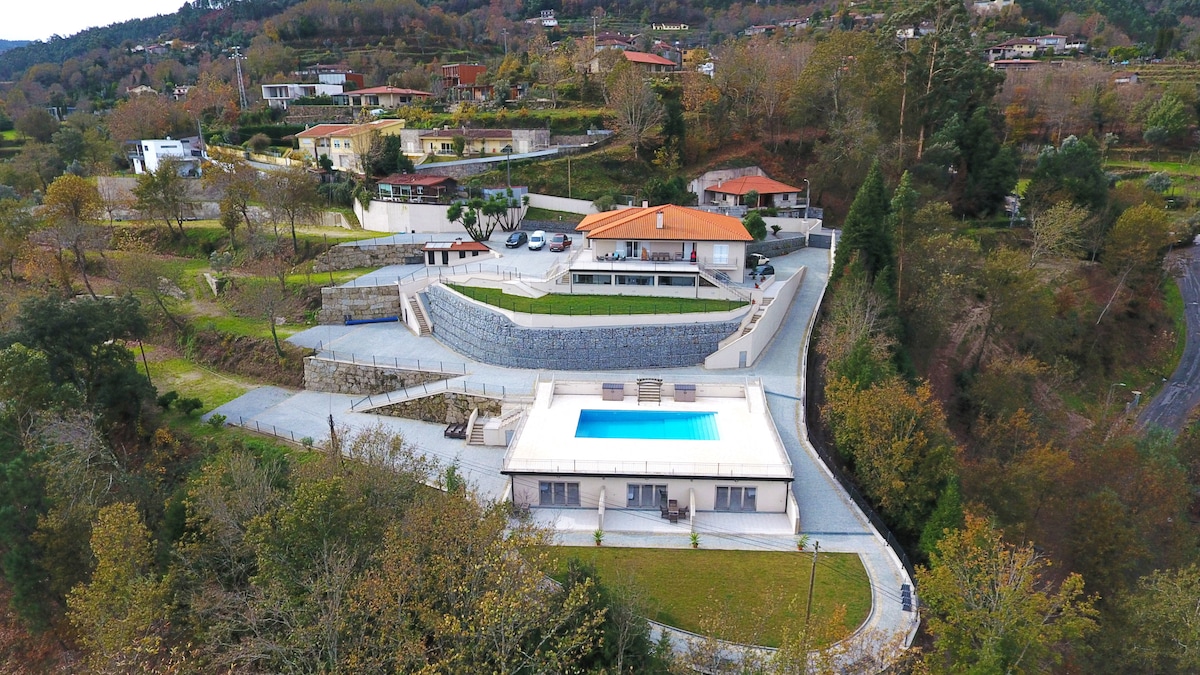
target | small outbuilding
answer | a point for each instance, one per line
(450, 253)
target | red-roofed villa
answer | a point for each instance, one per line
(771, 193)
(660, 246)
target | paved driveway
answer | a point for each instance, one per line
(1173, 405)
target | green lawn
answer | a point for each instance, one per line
(761, 593)
(193, 380)
(547, 214)
(1170, 168)
(594, 305)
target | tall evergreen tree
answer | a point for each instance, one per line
(867, 232)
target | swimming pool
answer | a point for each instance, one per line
(647, 424)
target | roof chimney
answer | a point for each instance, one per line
(658, 221)
(645, 204)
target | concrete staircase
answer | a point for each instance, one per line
(476, 435)
(649, 390)
(758, 314)
(415, 308)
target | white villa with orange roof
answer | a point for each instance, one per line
(343, 143)
(771, 193)
(657, 248)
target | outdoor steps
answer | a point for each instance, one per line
(476, 435)
(649, 390)
(420, 316)
(758, 314)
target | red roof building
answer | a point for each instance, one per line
(770, 193)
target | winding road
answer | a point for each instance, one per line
(1172, 407)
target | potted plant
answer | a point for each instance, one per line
(802, 542)
(695, 537)
(598, 537)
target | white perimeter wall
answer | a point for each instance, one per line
(561, 204)
(804, 225)
(772, 496)
(404, 218)
(753, 343)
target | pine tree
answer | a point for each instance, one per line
(866, 232)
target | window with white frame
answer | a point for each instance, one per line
(551, 493)
(736, 499)
(720, 254)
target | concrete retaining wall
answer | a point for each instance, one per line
(367, 302)
(479, 333)
(350, 257)
(553, 203)
(340, 377)
(446, 408)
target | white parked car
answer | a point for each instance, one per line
(537, 240)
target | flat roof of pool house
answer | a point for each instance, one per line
(746, 445)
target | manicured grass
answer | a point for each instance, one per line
(761, 594)
(1170, 168)
(594, 305)
(547, 214)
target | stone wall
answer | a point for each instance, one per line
(340, 377)
(350, 257)
(773, 246)
(488, 336)
(445, 408)
(366, 302)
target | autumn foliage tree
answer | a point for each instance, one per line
(995, 607)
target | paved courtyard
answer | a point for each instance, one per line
(828, 515)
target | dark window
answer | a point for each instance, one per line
(638, 496)
(676, 281)
(558, 494)
(737, 499)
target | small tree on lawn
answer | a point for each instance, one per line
(506, 210)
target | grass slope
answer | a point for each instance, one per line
(594, 305)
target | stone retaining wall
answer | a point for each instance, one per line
(488, 336)
(445, 408)
(772, 246)
(340, 377)
(379, 255)
(366, 302)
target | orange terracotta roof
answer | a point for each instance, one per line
(322, 130)
(456, 245)
(356, 129)
(759, 184)
(679, 224)
(652, 59)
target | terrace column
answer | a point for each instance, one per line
(692, 508)
(600, 513)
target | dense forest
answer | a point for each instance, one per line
(975, 364)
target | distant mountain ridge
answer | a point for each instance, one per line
(6, 45)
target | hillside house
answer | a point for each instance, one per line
(460, 81)
(280, 95)
(381, 97)
(417, 189)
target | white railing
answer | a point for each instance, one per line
(421, 365)
(600, 466)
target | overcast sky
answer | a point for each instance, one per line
(39, 19)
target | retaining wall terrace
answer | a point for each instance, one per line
(340, 377)
(365, 302)
(444, 408)
(379, 255)
(474, 330)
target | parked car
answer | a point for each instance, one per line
(537, 240)
(560, 242)
(763, 271)
(516, 240)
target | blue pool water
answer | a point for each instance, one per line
(650, 424)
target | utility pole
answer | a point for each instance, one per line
(237, 61)
(504, 32)
(812, 579)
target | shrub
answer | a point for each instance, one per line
(216, 420)
(187, 406)
(259, 142)
(167, 399)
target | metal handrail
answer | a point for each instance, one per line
(425, 366)
(427, 389)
